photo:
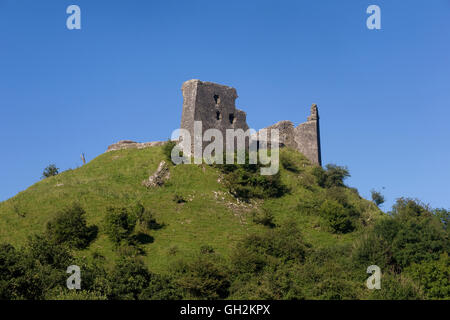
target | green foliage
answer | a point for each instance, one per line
(264, 217)
(288, 162)
(69, 227)
(309, 206)
(178, 198)
(245, 181)
(35, 272)
(46, 252)
(17, 278)
(421, 236)
(333, 176)
(145, 218)
(128, 279)
(411, 236)
(377, 197)
(444, 216)
(74, 295)
(167, 150)
(372, 249)
(397, 287)
(327, 274)
(203, 278)
(161, 288)
(120, 223)
(338, 218)
(285, 242)
(50, 171)
(433, 276)
(206, 249)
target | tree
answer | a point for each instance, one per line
(69, 227)
(128, 279)
(120, 223)
(203, 278)
(333, 176)
(336, 175)
(377, 197)
(50, 171)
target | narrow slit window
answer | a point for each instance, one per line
(231, 118)
(217, 115)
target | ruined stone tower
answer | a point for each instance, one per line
(214, 105)
(304, 138)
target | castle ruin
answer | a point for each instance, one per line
(214, 105)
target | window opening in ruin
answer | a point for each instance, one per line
(231, 118)
(218, 115)
(216, 99)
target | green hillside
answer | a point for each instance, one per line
(114, 179)
(196, 213)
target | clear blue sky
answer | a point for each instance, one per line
(383, 95)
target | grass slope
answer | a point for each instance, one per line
(211, 216)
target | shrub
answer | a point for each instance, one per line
(206, 249)
(411, 235)
(338, 218)
(336, 175)
(17, 275)
(167, 149)
(250, 184)
(46, 252)
(333, 176)
(285, 243)
(309, 205)
(50, 171)
(444, 217)
(416, 242)
(372, 249)
(421, 235)
(128, 279)
(245, 181)
(433, 276)
(178, 198)
(377, 197)
(288, 162)
(265, 217)
(161, 288)
(120, 223)
(397, 287)
(203, 278)
(69, 227)
(173, 250)
(145, 218)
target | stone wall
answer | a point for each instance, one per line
(128, 144)
(212, 104)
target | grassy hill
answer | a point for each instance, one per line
(318, 235)
(210, 216)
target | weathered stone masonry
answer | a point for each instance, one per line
(214, 105)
